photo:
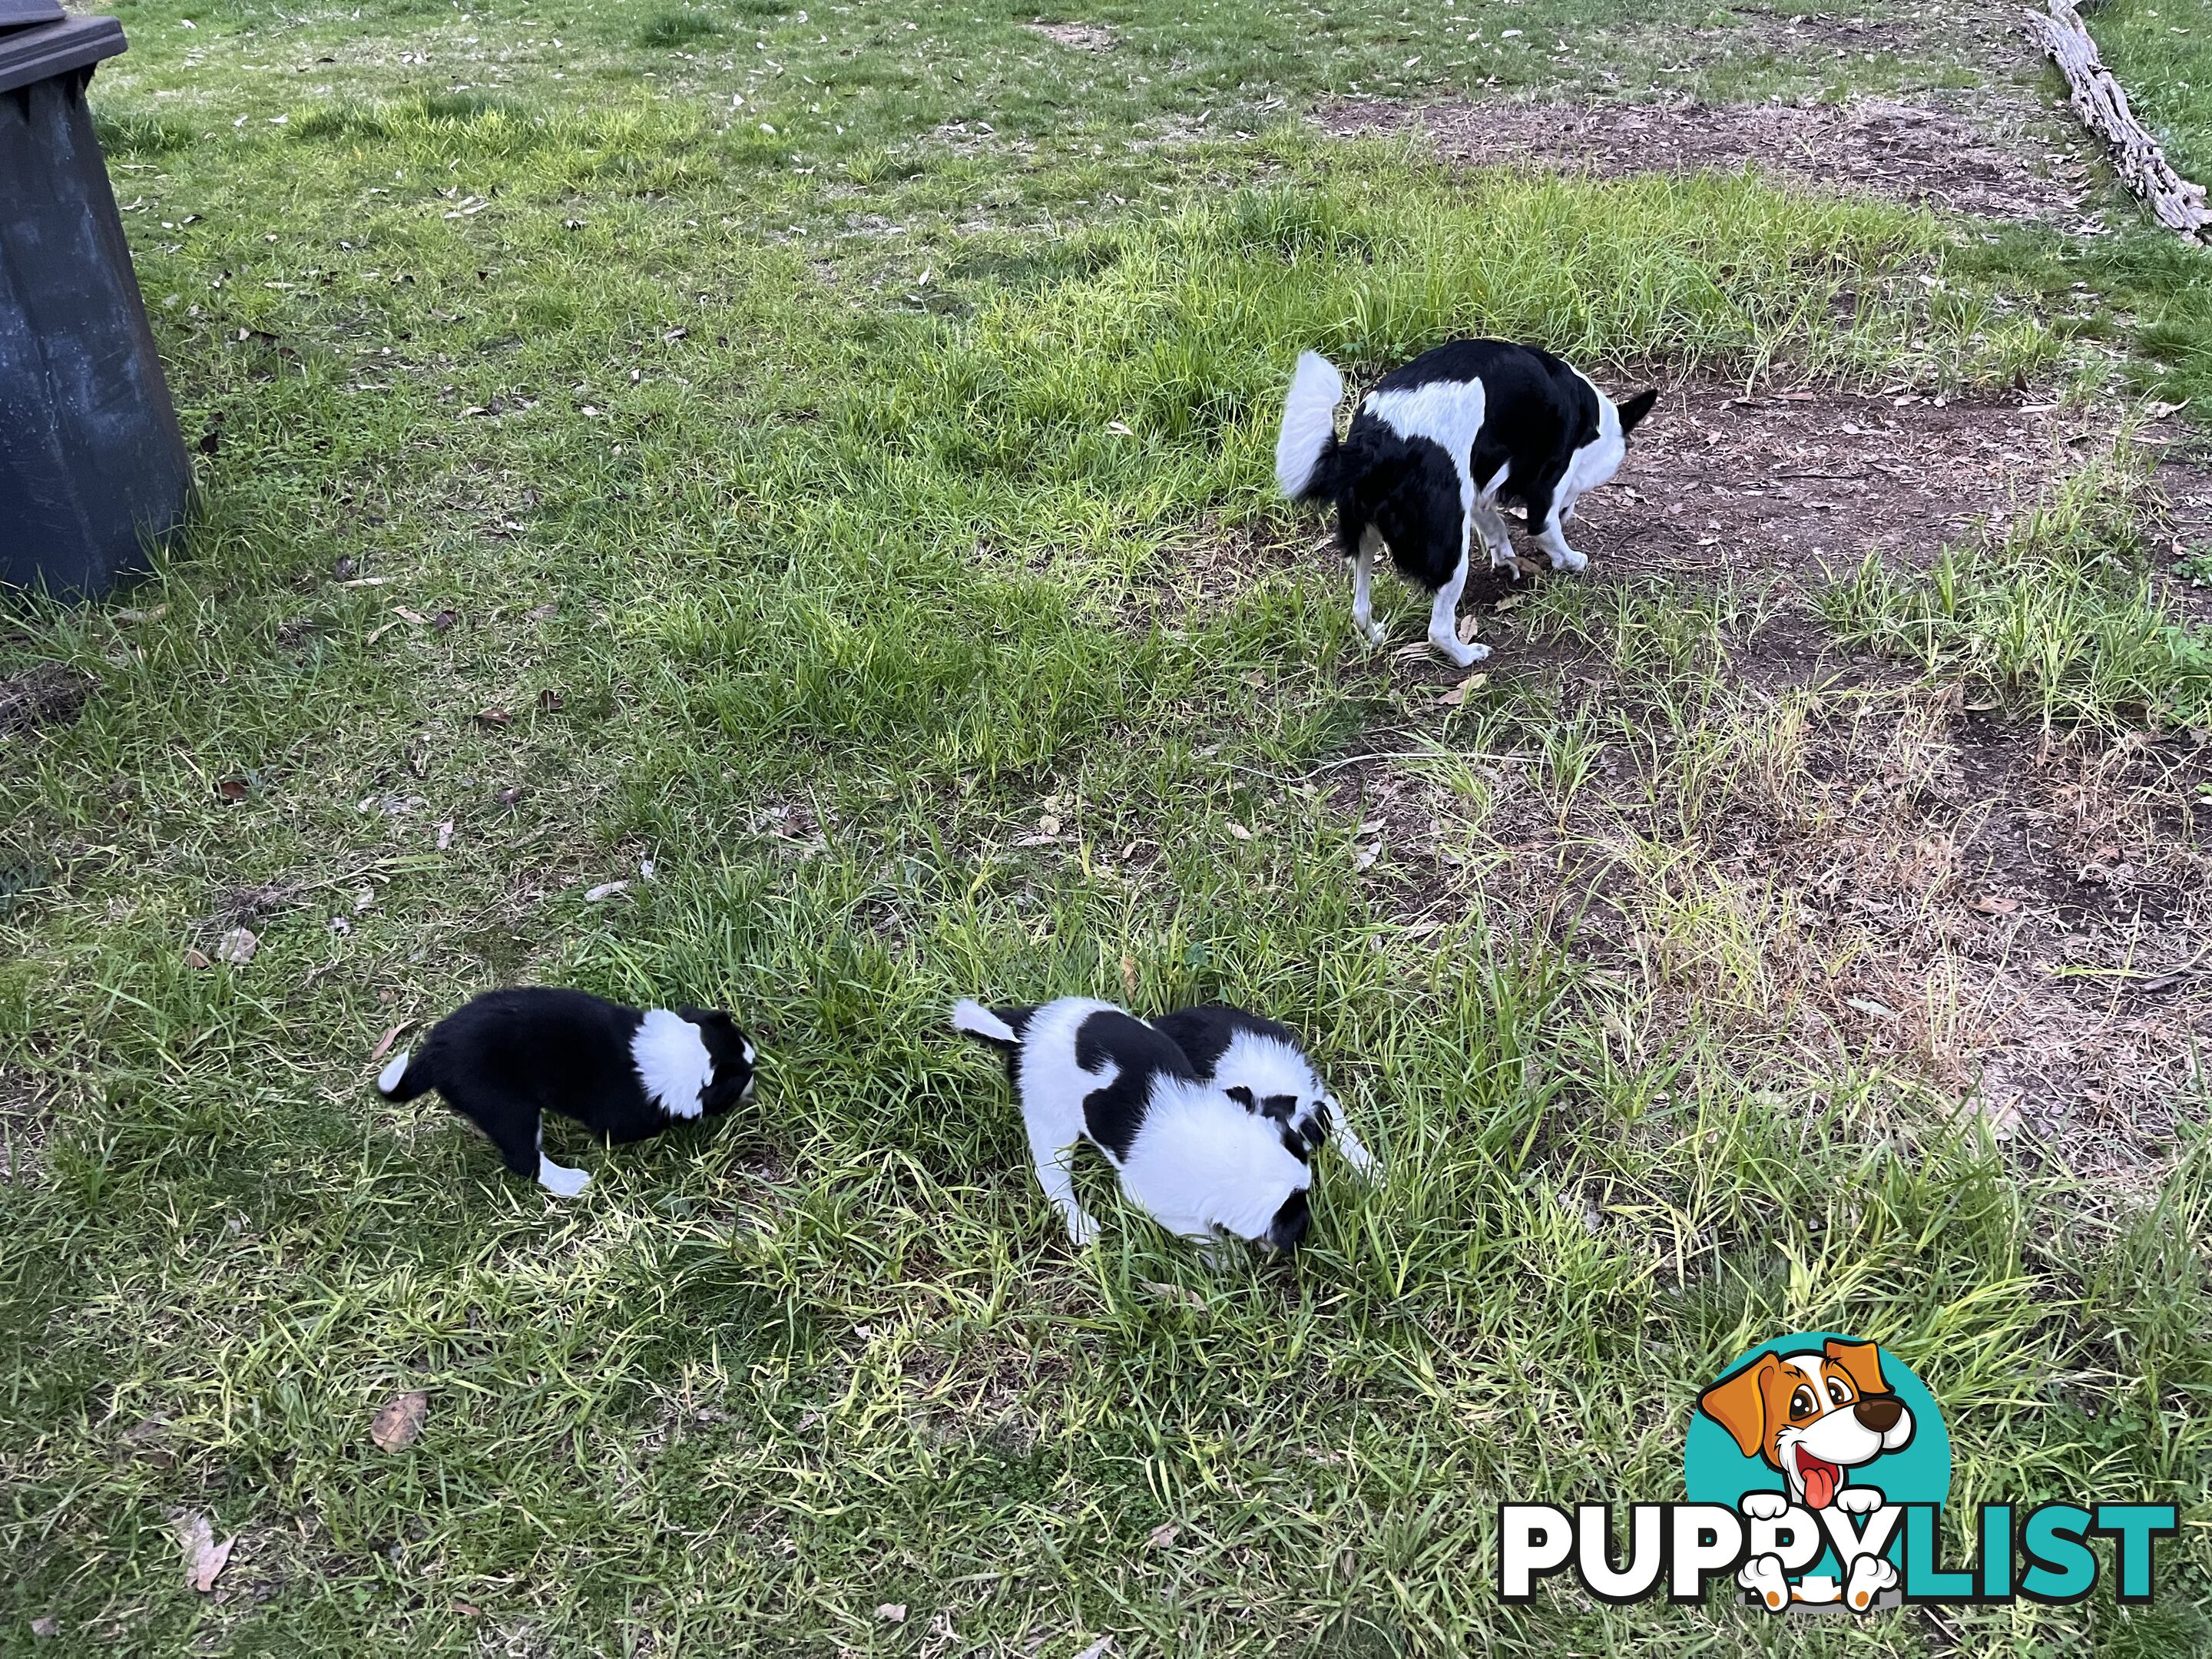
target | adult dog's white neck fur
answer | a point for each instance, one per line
(672, 1061)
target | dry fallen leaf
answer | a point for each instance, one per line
(1098, 1650)
(1869, 1005)
(549, 702)
(384, 1043)
(2158, 411)
(204, 1559)
(1128, 976)
(400, 1424)
(892, 1612)
(541, 613)
(1162, 1537)
(237, 946)
(444, 621)
(445, 835)
(605, 889)
(1119, 429)
(1048, 825)
(1239, 830)
(232, 789)
(1181, 1293)
(508, 796)
(1469, 628)
(153, 615)
(194, 958)
(495, 717)
(1990, 905)
(1363, 858)
(1457, 694)
(405, 614)
(48, 1626)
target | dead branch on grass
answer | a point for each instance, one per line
(2101, 103)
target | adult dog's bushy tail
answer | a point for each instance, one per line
(1001, 1030)
(1306, 449)
(401, 1080)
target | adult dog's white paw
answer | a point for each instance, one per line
(1765, 1506)
(1762, 1576)
(1458, 651)
(1081, 1229)
(1570, 560)
(1858, 1500)
(1374, 632)
(1870, 1576)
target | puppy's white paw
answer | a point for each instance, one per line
(1765, 1506)
(1373, 632)
(1762, 1577)
(1870, 1576)
(1458, 651)
(560, 1182)
(1858, 1500)
(1081, 1229)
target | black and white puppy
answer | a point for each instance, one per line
(1260, 1064)
(505, 1059)
(1432, 451)
(1195, 1160)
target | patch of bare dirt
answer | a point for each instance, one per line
(2017, 920)
(1797, 482)
(45, 693)
(1978, 162)
(1079, 37)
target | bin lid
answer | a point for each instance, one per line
(21, 14)
(47, 48)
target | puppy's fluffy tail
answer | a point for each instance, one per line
(999, 1031)
(1307, 446)
(401, 1080)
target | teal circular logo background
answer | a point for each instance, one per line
(1715, 1472)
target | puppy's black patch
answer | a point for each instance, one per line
(1290, 1222)
(1139, 1054)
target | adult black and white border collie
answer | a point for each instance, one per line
(1196, 1161)
(1432, 451)
(1260, 1064)
(505, 1059)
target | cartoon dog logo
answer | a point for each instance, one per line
(1815, 1417)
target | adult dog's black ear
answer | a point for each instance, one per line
(1633, 411)
(1243, 1096)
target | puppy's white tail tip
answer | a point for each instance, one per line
(977, 1021)
(394, 1069)
(1309, 423)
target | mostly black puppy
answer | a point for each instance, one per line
(1260, 1064)
(1195, 1160)
(1432, 451)
(506, 1058)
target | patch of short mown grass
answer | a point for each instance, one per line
(2063, 616)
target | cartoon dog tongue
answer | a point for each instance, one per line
(1821, 1480)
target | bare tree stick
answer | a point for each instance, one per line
(2103, 106)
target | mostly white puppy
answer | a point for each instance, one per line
(506, 1058)
(1195, 1160)
(1260, 1064)
(1432, 452)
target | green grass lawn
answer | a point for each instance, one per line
(822, 454)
